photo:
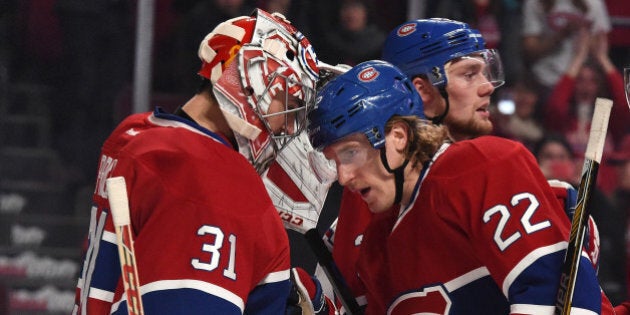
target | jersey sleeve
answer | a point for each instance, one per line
(518, 228)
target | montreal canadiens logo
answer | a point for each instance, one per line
(368, 74)
(406, 29)
(308, 58)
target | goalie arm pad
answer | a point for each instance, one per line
(307, 296)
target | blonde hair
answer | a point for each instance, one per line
(424, 137)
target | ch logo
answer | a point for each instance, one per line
(432, 300)
(406, 29)
(368, 74)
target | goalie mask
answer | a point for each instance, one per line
(263, 72)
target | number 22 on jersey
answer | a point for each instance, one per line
(503, 211)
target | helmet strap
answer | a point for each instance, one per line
(399, 176)
(439, 119)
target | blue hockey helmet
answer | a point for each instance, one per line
(362, 100)
(425, 46)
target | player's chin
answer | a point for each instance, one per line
(483, 127)
(378, 207)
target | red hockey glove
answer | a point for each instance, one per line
(307, 296)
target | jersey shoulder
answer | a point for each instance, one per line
(183, 158)
(482, 152)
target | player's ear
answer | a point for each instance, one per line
(398, 136)
(429, 94)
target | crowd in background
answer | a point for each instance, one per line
(556, 65)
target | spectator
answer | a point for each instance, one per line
(550, 28)
(620, 34)
(356, 39)
(556, 159)
(524, 124)
(569, 108)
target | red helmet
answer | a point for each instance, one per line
(254, 62)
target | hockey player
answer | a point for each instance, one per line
(459, 227)
(208, 239)
(425, 50)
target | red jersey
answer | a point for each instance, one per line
(344, 237)
(207, 236)
(483, 234)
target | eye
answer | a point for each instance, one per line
(347, 156)
(469, 75)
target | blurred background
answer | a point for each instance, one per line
(70, 70)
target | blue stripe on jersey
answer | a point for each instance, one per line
(107, 268)
(269, 299)
(160, 113)
(481, 296)
(182, 302)
(264, 298)
(545, 273)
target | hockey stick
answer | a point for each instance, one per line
(333, 274)
(592, 159)
(119, 204)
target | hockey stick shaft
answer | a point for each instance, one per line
(119, 204)
(333, 274)
(592, 159)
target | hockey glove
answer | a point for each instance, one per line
(306, 296)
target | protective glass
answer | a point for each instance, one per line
(346, 159)
(476, 69)
(287, 101)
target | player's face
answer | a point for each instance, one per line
(469, 89)
(284, 114)
(586, 84)
(556, 162)
(360, 169)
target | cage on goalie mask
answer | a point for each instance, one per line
(263, 73)
(426, 46)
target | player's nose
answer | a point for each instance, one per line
(486, 88)
(345, 174)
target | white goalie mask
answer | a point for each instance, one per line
(263, 72)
